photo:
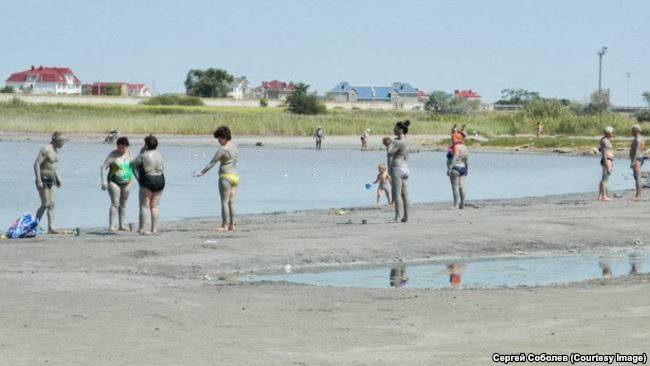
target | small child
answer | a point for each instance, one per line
(384, 184)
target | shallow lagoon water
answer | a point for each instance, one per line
(285, 180)
(474, 273)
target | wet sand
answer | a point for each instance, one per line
(101, 299)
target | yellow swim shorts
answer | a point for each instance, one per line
(233, 179)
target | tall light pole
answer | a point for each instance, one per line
(601, 53)
(627, 96)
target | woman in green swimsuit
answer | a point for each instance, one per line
(118, 181)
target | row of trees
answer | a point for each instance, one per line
(215, 83)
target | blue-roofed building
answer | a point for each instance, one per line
(396, 93)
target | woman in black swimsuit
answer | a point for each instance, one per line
(149, 167)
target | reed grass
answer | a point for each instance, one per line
(198, 120)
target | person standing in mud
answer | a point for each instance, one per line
(227, 155)
(399, 153)
(457, 169)
(606, 162)
(149, 165)
(365, 136)
(319, 136)
(118, 182)
(637, 159)
(47, 178)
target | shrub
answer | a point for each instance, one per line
(264, 102)
(643, 115)
(7, 89)
(174, 100)
(300, 102)
(541, 108)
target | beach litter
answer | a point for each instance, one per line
(26, 226)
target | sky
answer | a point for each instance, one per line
(548, 46)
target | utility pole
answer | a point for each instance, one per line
(601, 53)
(628, 88)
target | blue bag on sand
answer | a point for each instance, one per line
(25, 227)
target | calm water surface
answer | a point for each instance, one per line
(285, 180)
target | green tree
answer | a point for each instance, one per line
(517, 96)
(301, 102)
(443, 103)
(7, 89)
(646, 97)
(598, 102)
(438, 102)
(210, 83)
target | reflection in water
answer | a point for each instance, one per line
(455, 270)
(635, 264)
(605, 267)
(397, 277)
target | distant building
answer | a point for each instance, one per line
(467, 94)
(422, 96)
(45, 80)
(240, 89)
(139, 90)
(396, 93)
(117, 89)
(275, 89)
(110, 88)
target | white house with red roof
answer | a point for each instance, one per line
(139, 90)
(467, 94)
(45, 80)
(275, 89)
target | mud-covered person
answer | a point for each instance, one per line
(149, 168)
(636, 159)
(47, 178)
(118, 182)
(606, 162)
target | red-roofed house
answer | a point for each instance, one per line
(275, 89)
(467, 94)
(45, 80)
(139, 90)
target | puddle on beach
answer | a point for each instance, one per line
(475, 273)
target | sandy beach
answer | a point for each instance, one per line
(101, 299)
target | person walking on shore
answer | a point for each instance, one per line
(319, 136)
(399, 153)
(47, 178)
(384, 187)
(637, 159)
(118, 181)
(365, 136)
(606, 162)
(457, 169)
(227, 155)
(150, 170)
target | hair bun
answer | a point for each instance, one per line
(407, 123)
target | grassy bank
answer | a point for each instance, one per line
(534, 143)
(44, 118)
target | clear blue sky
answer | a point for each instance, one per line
(486, 45)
